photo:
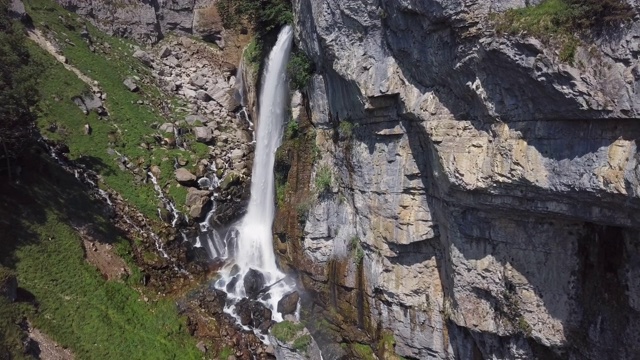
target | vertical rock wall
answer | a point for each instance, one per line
(487, 193)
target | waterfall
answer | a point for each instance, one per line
(254, 242)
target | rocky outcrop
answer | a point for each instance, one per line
(486, 203)
(149, 21)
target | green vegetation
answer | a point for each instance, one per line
(563, 20)
(301, 344)
(564, 16)
(358, 251)
(362, 351)
(293, 129)
(324, 179)
(524, 326)
(225, 353)
(18, 89)
(128, 129)
(286, 331)
(263, 16)
(253, 53)
(76, 306)
(345, 129)
(300, 70)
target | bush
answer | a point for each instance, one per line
(324, 179)
(345, 129)
(300, 69)
(293, 129)
(253, 53)
(302, 343)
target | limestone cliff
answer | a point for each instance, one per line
(149, 21)
(485, 195)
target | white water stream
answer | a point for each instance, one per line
(253, 233)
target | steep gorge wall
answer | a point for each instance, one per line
(493, 189)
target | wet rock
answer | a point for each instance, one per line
(231, 286)
(155, 170)
(243, 310)
(144, 57)
(197, 201)
(230, 180)
(253, 283)
(184, 176)
(289, 303)
(130, 84)
(203, 134)
(261, 317)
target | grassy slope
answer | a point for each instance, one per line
(73, 303)
(129, 123)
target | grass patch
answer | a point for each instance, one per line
(324, 179)
(75, 305)
(225, 353)
(362, 351)
(358, 251)
(286, 331)
(302, 343)
(561, 21)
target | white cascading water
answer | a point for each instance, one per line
(253, 245)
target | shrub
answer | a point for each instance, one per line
(345, 129)
(293, 129)
(324, 179)
(300, 70)
(253, 53)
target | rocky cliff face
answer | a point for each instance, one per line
(149, 20)
(485, 199)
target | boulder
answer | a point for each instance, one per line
(237, 155)
(167, 128)
(189, 93)
(171, 61)
(232, 179)
(203, 96)
(17, 10)
(144, 57)
(203, 134)
(261, 317)
(89, 102)
(198, 81)
(164, 52)
(243, 310)
(254, 282)
(197, 201)
(289, 303)
(192, 119)
(184, 176)
(155, 170)
(223, 97)
(130, 84)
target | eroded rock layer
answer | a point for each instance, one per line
(485, 199)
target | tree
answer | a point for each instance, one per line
(18, 90)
